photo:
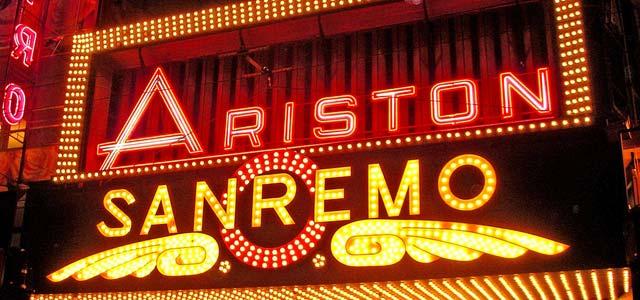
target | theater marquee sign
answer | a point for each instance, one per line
(428, 178)
(370, 242)
(544, 96)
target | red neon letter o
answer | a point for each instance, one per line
(13, 111)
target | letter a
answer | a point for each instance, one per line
(186, 136)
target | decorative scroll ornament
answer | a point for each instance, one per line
(176, 255)
(385, 242)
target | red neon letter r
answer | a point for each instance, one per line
(25, 42)
(250, 131)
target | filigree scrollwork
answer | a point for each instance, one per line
(176, 255)
(385, 242)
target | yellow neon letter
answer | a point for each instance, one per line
(117, 213)
(323, 195)
(278, 204)
(410, 183)
(227, 217)
(481, 198)
(161, 198)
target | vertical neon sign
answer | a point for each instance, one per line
(14, 98)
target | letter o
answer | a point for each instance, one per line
(488, 172)
(13, 104)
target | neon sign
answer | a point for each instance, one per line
(510, 83)
(393, 96)
(335, 117)
(13, 104)
(558, 96)
(360, 243)
(24, 39)
(200, 213)
(525, 225)
(24, 47)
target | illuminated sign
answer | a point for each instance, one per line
(24, 39)
(24, 47)
(395, 214)
(157, 84)
(335, 117)
(544, 96)
(335, 110)
(366, 243)
(13, 104)
(318, 171)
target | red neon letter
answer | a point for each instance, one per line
(347, 117)
(509, 82)
(251, 131)
(13, 104)
(186, 136)
(393, 95)
(30, 2)
(24, 39)
(471, 102)
(288, 122)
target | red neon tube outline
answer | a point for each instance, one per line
(15, 115)
(24, 39)
(471, 102)
(288, 122)
(187, 136)
(393, 95)
(251, 131)
(509, 82)
(348, 117)
(161, 141)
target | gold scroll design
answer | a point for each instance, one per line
(384, 242)
(177, 255)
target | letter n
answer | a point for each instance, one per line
(509, 83)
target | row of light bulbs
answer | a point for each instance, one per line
(573, 59)
(75, 95)
(207, 21)
(71, 174)
(582, 284)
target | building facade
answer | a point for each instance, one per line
(323, 149)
